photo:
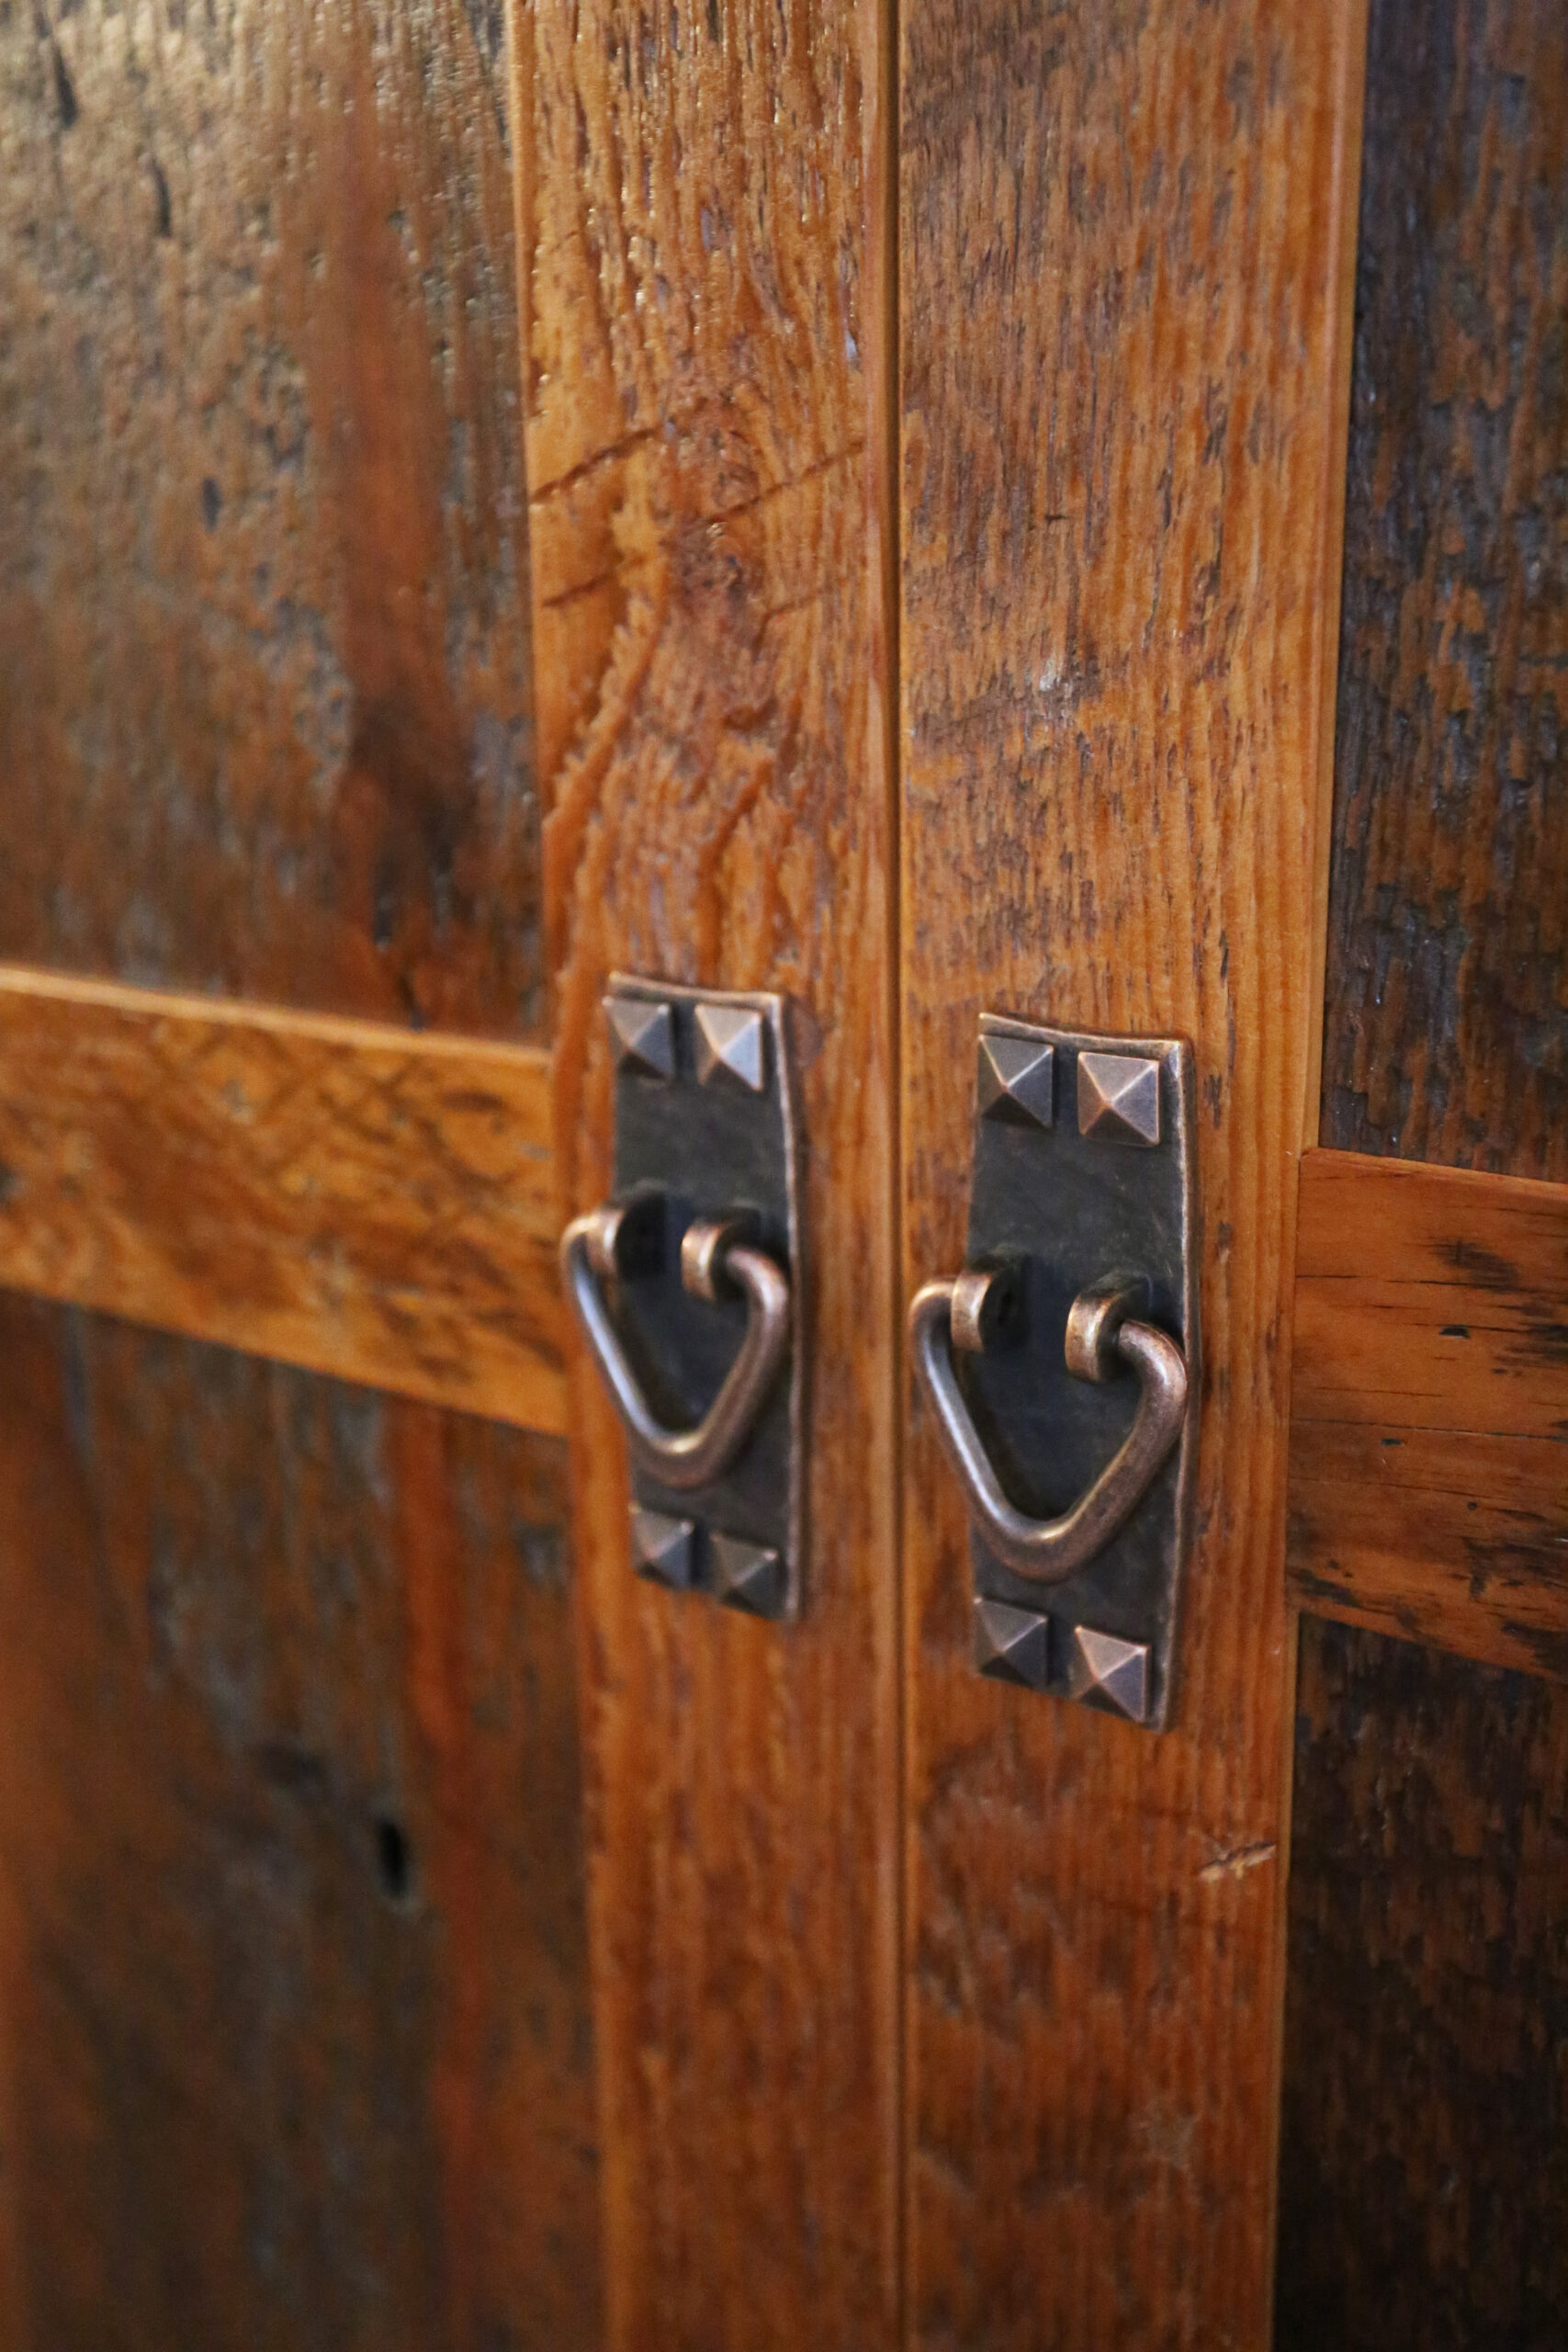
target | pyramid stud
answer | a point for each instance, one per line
(748, 1575)
(663, 1549)
(1012, 1645)
(1016, 1081)
(731, 1048)
(1119, 1099)
(642, 1033)
(1109, 1673)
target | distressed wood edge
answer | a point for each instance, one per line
(532, 1396)
(1327, 1163)
(1347, 99)
(1349, 121)
(526, 1058)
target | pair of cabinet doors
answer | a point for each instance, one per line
(966, 506)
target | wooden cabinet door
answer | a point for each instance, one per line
(932, 509)
(294, 1967)
(1232, 439)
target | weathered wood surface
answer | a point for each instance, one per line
(263, 600)
(293, 1979)
(1447, 1028)
(704, 188)
(1424, 2157)
(270, 1645)
(341, 1194)
(1429, 1406)
(1120, 235)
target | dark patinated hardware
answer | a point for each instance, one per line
(1062, 1363)
(686, 1285)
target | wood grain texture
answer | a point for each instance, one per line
(1428, 1489)
(337, 1193)
(292, 1928)
(1447, 1025)
(264, 602)
(1425, 2134)
(704, 188)
(1119, 236)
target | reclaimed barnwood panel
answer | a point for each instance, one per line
(265, 717)
(1421, 2163)
(1447, 1008)
(1424, 2137)
(706, 240)
(293, 1976)
(345, 1195)
(276, 1649)
(1428, 1490)
(1121, 240)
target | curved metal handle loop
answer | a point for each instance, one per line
(715, 1255)
(1102, 1341)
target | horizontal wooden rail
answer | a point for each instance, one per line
(357, 1199)
(1428, 1491)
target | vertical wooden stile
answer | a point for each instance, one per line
(1121, 255)
(704, 241)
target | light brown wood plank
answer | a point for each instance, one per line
(707, 457)
(1429, 1417)
(336, 1193)
(1121, 238)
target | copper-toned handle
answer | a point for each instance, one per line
(714, 1256)
(1101, 1339)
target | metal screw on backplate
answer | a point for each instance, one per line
(664, 1549)
(642, 1035)
(1016, 1079)
(748, 1575)
(1109, 1672)
(732, 1047)
(1119, 1099)
(1012, 1645)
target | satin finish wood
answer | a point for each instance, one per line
(293, 1977)
(1447, 1007)
(337, 1193)
(705, 215)
(264, 718)
(1121, 235)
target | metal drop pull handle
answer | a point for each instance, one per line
(977, 1312)
(718, 1256)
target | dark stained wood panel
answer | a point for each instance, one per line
(1425, 2130)
(706, 189)
(1428, 1487)
(1421, 2183)
(1123, 262)
(338, 1194)
(1447, 1022)
(291, 1897)
(264, 601)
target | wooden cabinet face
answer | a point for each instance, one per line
(931, 510)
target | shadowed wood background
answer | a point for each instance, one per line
(1427, 2041)
(291, 1883)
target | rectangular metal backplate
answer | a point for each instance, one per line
(1085, 1164)
(706, 1113)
